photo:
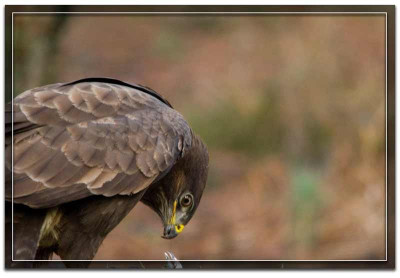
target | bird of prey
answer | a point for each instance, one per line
(80, 155)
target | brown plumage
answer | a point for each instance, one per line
(84, 153)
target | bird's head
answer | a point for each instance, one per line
(176, 196)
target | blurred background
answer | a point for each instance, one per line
(292, 109)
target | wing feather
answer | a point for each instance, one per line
(83, 138)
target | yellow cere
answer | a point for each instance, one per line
(178, 228)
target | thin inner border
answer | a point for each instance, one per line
(194, 13)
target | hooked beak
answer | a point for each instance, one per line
(171, 231)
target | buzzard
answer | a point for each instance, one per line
(80, 155)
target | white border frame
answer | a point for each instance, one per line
(199, 13)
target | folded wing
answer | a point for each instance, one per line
(89, 137)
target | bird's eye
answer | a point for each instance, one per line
(187, 200)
